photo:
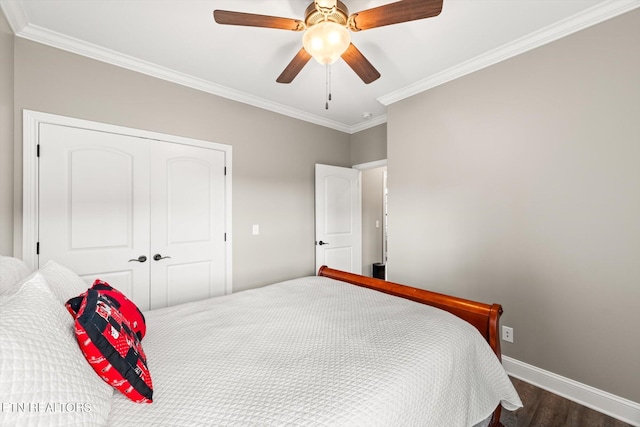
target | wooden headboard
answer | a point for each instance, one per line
(485, 317)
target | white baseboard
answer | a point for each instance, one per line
(591, 397)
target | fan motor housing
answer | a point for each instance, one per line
(312, 16)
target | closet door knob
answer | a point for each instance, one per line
(158, 257)
(141, 258)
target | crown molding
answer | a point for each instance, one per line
(19, 22)
(565, 27)
(15, 14)
(89, 50)
(372, 122)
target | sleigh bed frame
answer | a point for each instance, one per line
(57, 284)
(484, 317)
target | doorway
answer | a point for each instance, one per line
(374, 218)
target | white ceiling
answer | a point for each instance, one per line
(179, 41)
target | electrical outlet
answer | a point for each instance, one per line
(507, 334)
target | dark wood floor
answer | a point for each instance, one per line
(544, 409)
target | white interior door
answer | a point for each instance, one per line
(94, 206)
(338, 218)
(187, 224)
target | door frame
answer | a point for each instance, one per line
(31, 121)
(374, 165)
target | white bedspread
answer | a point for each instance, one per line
(315, 351)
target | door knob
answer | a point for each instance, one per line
(158, 257)
(141, 258)
(322, 243)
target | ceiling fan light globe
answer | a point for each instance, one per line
(326, 41)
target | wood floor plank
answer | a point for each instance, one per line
(545, 409)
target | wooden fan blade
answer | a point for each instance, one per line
(227, 17)
(394, 13)
(294, 67)
(358, 63)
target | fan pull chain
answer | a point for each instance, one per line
(329, 67)
(327, 86)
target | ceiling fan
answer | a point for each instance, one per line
(326, 31)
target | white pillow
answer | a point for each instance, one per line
(44, 378)
(12, 270)
(63, 282)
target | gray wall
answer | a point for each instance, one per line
(270, 188)
(369, 145)
(6, 137)
(520, 184)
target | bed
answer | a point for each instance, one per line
(330, 349)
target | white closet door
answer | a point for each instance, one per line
(187, 224)
(94, 206)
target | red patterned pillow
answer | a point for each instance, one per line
(120, 301)
(111, 346)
